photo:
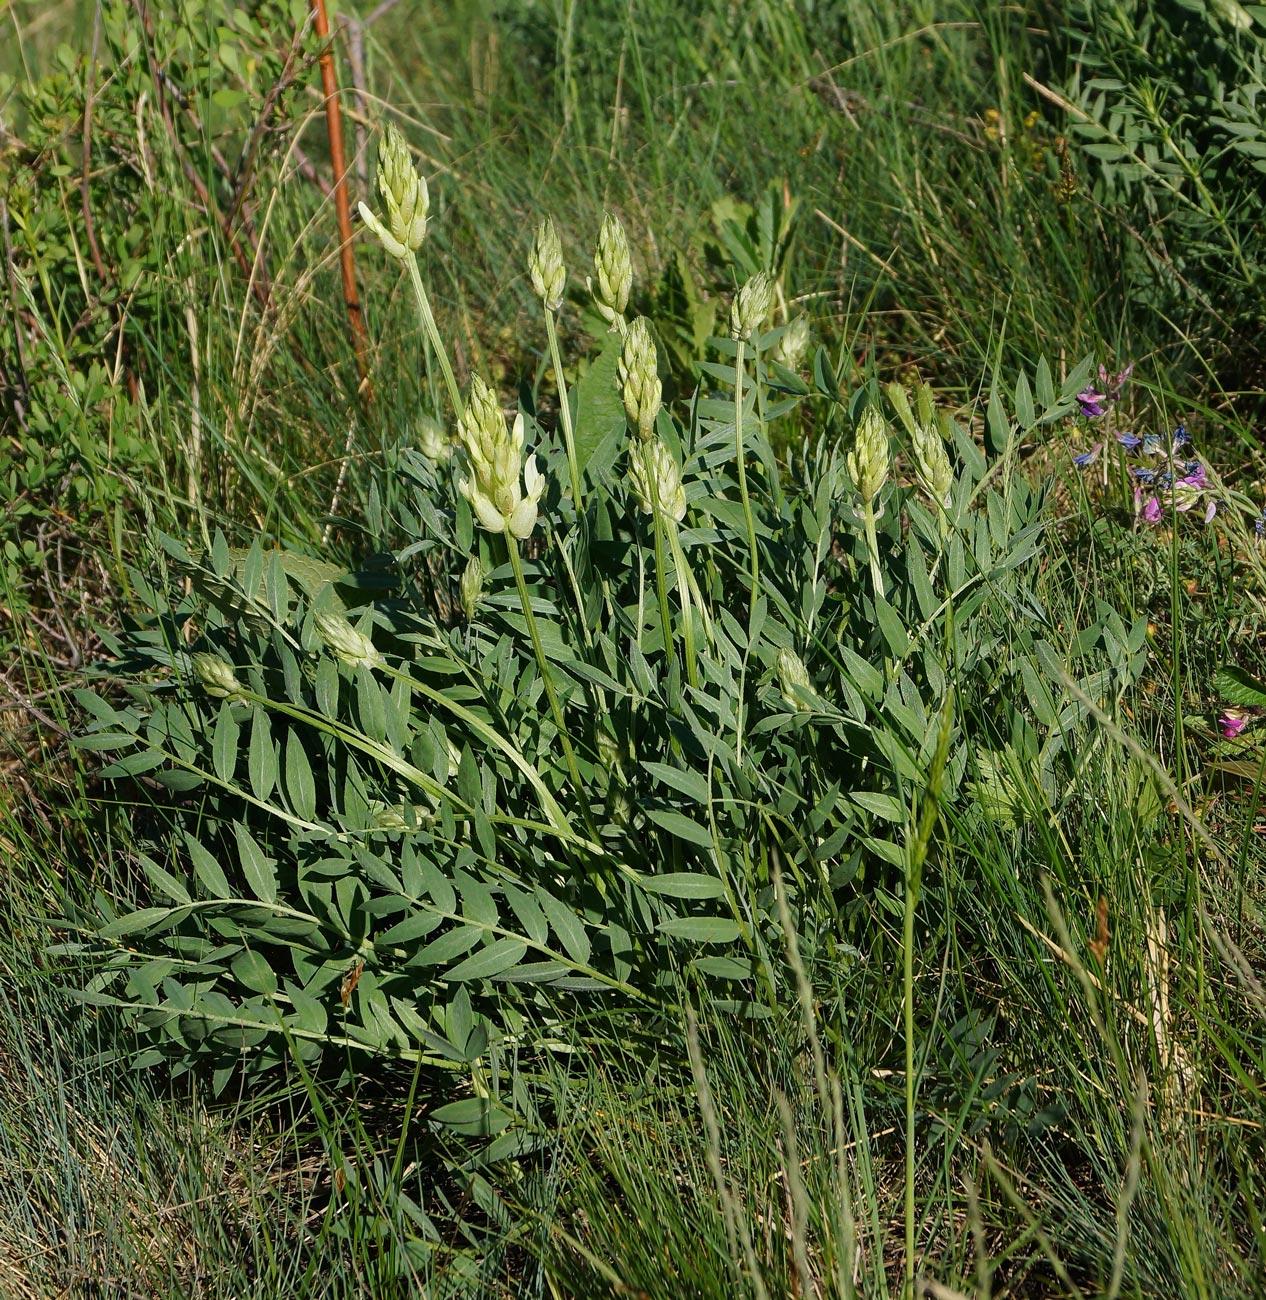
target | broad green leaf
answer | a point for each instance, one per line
(134, 922)
(725, 968)
(451, 944)
(208, 870)
(694, 785)
(472, 1117)
(253, 972)
(1024, 410)
(683, 884)
(566, 925)
(681, 826)
(258, 869)
(487, 962)
(224, 742)
(1235, 686)
(701, 929)
(882, 805)
(299, 783)
(599, 407)
(417, 926)
(162, 880)
(262, 759)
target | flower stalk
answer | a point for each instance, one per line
(549, 279)
(751, 306)
(556, 709)
(406, 203)
(868, 465)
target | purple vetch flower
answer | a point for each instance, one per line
(1259, 526)
(1088, 457)
(1093, 403)
(1152, 510)
(1232, 722)
(1113, 384)
(1130, 441)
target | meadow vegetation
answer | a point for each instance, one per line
(702, 739)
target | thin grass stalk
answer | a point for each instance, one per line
(433, 334)
(569, 436)
(925, 827)
(556, 709)
(735, 1221)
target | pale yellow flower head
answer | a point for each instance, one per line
(545, 266)
(655, 478)
(500, 502)
(216, 677)
(792, 347)
(345, 642)
(868, 462)
(751, 306)
(638, 373)
(613, 272)
(794, 681)
(404, 197)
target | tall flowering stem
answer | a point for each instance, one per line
(433, 334)
(402, 229)
(569, 434)
(549, 278)
(655, 478)
(516, 563)
(916, 855)
(750, 307)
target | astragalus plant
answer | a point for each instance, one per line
(631, 666)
